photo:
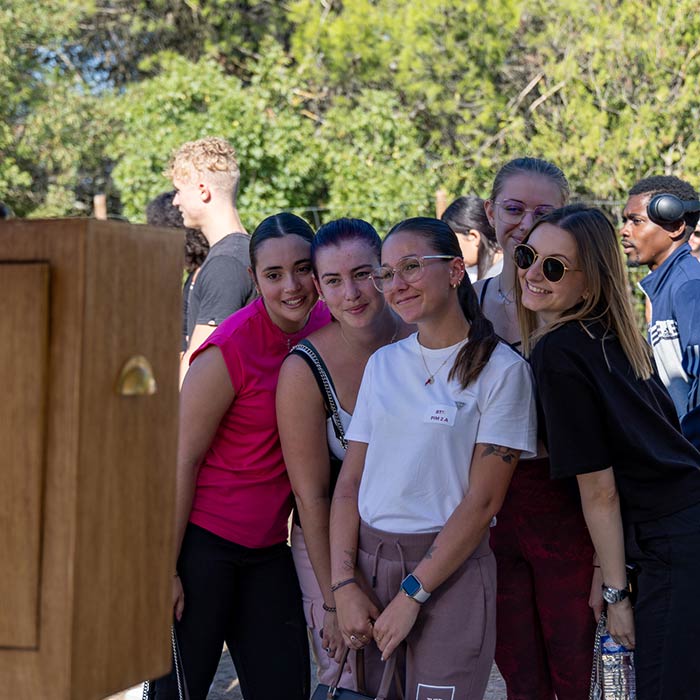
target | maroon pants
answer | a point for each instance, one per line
(545, 628)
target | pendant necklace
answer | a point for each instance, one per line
(431, 375)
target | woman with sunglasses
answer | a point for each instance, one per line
(235, 579)
(610, 423)
(323, 375)
(439, 424)
(543, 550)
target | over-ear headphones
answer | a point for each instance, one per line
(667, 208)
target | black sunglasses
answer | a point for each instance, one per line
(553, 269)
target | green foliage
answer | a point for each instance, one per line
(376, 169)
(361, 107)
(264, 120)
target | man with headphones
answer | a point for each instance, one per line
(658, 219)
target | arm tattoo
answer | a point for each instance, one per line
(429, 553)
(349, 563)
(505, 453)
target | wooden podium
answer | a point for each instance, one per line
(89, 340)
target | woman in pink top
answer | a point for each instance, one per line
(235, 579)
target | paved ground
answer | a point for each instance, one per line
(226, 685)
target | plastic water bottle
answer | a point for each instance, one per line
(619, 682)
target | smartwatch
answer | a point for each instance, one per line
(614, 595)
(413, 588)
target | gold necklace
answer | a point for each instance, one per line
(431, 375)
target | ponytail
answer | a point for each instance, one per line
(482, 339)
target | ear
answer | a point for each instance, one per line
(473, 233)
(457, 271)
(490, 213)
(204, 192)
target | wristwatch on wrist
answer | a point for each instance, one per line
(614, 595)
(413, 588)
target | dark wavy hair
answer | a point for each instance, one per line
(161, 212)
(467, 213)
(472, 358)
(278, 226)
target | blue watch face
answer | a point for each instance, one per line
(411, 585)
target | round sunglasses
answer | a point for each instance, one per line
(553, 269)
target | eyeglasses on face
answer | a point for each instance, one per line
(512, 212)
(409, 269)
(553, 269)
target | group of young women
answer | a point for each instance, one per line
(421, 386)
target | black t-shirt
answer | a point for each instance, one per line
(594, 414)
(223, 284)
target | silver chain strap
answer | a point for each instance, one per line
(335, 416)
(176, 665)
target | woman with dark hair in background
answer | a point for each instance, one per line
(482, 255)
(440, 421)
(161, 212)
(610, 424)
(546, 574)
(235, 579)
(322, 374)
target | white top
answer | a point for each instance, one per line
(421, 437)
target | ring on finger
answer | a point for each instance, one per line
(353, 638)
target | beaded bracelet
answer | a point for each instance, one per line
(329, 608)
(340, 584)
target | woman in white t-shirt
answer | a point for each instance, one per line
(441, 420)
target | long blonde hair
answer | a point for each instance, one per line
(608, 299)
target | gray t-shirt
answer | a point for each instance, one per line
(223, 284)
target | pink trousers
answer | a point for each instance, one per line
(449, 652)
(313, 611)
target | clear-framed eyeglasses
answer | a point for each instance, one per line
(512, 212)
(409, 269)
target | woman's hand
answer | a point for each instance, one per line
(356, 613)
(595, 600)
(331, 636)
(621, 623)
(178, 598)
(394, 624)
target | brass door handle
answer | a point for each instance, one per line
(136, 378)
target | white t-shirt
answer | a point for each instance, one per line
(421, 437)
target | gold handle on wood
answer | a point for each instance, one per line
(136, 378)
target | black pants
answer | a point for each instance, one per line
(250, 599)
(667, 610)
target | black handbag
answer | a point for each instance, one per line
(333, 692)
(149, 690)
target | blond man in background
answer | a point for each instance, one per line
(205, 176)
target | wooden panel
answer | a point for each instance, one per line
(126, 476)
(23, 357)
(29, 673)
